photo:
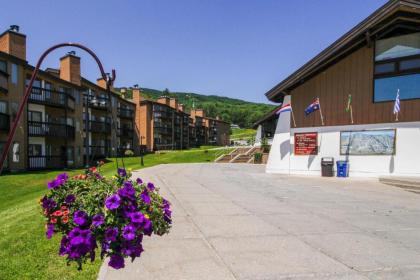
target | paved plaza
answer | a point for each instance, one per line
(237, 222)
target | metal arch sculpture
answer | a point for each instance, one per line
(108, 78)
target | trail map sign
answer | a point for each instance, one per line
(306, 143)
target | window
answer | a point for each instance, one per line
(16, 152)
(35, 150)
(3, 107)
(14, 77)
(35, 116)
(397, 67)
(3, 75)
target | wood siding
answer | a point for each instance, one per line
(351, 75)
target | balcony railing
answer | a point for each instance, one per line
(98, 102)
(125, 113)
(51, 97)
(46, 162)
(4, 122)
(50, 129)
(97, 152)
(126, 132)
(99, 127)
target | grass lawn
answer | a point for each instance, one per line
(25, 253)
(242, 133)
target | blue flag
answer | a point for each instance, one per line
(314, 106)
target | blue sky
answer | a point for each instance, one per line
(235, 48)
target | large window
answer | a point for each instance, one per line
(3, 76)
(397, 67)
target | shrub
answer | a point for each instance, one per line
(265, 146)
(129, 153)
(258, 157)
(114, 214)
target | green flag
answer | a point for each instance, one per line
(348, 104)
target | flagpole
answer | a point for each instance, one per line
(293, 116)
(320, 112)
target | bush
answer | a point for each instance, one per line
(129, 153)
(90, 210)
(258, 157)
(265, 146)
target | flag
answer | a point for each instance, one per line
(397, 103)
(348, 104)
(314, 106)
(284, 108)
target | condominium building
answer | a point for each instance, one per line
(67, 121)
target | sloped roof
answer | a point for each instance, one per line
(392, 13)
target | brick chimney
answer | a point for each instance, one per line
(173, 103)
(163, 100)
(13, 42)
(181, 107)
(136, 95)
(70, 68)
(198, 112)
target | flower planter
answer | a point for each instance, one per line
(113, 214)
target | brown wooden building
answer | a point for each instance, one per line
(371, 63)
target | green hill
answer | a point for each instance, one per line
(235, 111)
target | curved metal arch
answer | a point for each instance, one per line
(108, 78)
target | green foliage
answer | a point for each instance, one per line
(265, 146)
(231, 110)
(258, 157)
(24, 250)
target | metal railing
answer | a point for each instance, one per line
(46, 162)
(51, 97)
(98, 102)
(50, 129)
(125, 113)
(126, 132)
(99, 127)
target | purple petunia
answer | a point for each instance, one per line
(98, 220)
(151, 186)
(50, 231)
(147, 227)
(113, 202)
(48, 203)
(80, 218)
(127, 190)
(70, 199)
(78, 243)
(111, 234)
(129, 232)
(116, 261)
(145, 197)
(136, 217)
(139, 181)
(122, 172)
(62, 178)
(53, 184)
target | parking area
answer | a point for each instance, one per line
(233, 221)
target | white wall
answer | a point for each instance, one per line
(405, 162)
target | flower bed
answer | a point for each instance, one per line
(92, 211)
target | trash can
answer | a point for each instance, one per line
(342, 168)
(327, 167)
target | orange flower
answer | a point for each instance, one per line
(64, 207)
(58, 213)
(65, 212)
(93, 169)
(53, 220)
(65, 219)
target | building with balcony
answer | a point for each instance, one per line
(68, 120)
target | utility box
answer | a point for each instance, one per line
(327, 167)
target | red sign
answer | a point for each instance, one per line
(306, 143)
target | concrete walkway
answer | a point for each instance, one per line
(233, 221)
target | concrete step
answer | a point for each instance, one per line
(409, 183)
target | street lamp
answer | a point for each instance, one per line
(141, 150)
